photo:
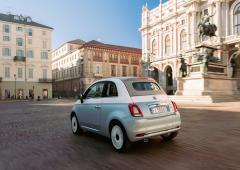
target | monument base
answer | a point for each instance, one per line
(210, 89)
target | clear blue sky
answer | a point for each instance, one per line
(111, 21)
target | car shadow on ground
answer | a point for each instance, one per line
(140, 147)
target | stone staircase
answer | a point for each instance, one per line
(205, 99)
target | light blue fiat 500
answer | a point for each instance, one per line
(126, 110)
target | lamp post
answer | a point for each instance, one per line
(33, 93)
(15, 86)
(149, 67)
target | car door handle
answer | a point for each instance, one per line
(97, 107)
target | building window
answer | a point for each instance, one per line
(135, 72)
(30, 33)
(124, 71)
(29, 41)
(6, 52)
(183, 40)
(30, 54)
(124, 59)
(98, 56)
(183, 22)
(19, 29)
(135, 60)
(6, 28)
(30, 73)
(19, 41)
(6, 38)
(43, 32)
(113, 70)
(44, 71)
(16, 17)
(7, 72)
(205, 12)
(113, 58)
(44, 44)
(97, 70)
(154, 47)
(237, 19)
(44, 55)
(20, 73)
(167, 45)
(19, 53)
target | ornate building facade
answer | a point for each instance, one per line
(77, 64)
(171, 30)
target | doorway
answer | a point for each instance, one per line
(45, 93)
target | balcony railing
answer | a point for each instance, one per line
(45, 80)
(113, 60)
(124, 61)
(18, 58)
(97, 58)
(135, 62)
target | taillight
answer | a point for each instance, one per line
(135, 110)
(174, 106)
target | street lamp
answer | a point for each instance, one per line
(15, 85)
(149, 68)
(33, 93)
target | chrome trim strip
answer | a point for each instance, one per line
(85, 127)
(159, 133)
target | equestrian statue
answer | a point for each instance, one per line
(206, 28)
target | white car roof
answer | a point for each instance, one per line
(124, 78)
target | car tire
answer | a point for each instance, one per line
(75, 125)
(169, 136)
(119, 139)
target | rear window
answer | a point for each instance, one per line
(143, 88)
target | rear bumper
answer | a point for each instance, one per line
(141, 128)
(159, 133)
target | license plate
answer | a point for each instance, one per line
(159, 109)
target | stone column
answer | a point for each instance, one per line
(160, 44)
(227, 18)
(174, 39)
(188, 31)
(194, 27)
(218, 19)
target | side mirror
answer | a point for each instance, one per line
(80, 97)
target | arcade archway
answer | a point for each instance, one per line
(234, 67)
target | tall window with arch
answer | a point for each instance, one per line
(183, 40)
(154, 47)
(167, 45)
(236, 18)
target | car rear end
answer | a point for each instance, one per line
(151, 111)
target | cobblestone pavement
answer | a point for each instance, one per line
(37, 135)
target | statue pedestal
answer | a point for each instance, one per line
(207, 86)
(211, 85)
